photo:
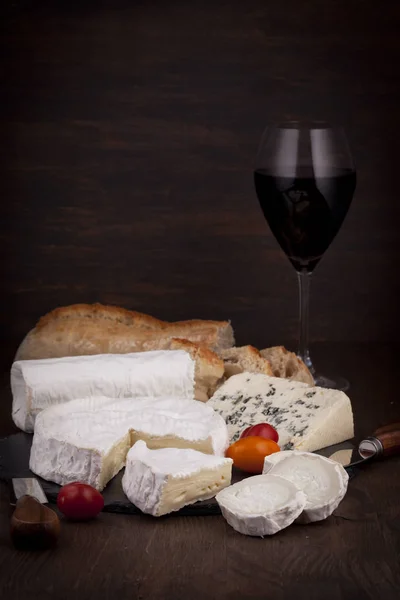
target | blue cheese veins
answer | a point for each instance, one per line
(306, 418)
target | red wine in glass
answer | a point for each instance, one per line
(305, 181)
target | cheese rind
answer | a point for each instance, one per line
(323, 481)
(38, 384)
(261, 505)
(88, 439)
(306, 418)
(162, 481)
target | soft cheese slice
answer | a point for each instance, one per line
(165, 480)
(261, 505)
(323, 481)
(306, 418)
(87, 440)
(38, 384)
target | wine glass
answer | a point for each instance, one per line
(305, 180)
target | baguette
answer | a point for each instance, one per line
(82, 329)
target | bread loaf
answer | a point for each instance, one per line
(82, 329)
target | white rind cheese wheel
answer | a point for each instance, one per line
(261, 505)
(323, 481)
(87, 440)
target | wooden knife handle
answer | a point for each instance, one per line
(34, 526)
(389, 437)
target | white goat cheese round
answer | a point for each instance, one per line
(261, 505)
(323, 481)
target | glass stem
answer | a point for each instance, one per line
(304, 279)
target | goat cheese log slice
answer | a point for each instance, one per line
(165, 480)
(306, 418)
(38, 384)
(87, 440)
(261, 505)
(323, 481)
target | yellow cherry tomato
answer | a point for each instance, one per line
(248, 453)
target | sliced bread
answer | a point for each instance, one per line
(287, 364)
(275, 361)
(245, 358)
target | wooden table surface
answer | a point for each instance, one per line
(352, 555)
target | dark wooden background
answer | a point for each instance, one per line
(128, 135)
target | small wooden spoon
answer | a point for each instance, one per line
(33, 525)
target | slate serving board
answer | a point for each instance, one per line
(14, 462)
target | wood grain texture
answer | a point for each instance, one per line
(129, 134)
(353, 555)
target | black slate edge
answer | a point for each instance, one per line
(14, 461)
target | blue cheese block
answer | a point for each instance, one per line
(306, 418)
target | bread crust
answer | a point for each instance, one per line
(98, 329)
(118, 314)
(101, 312)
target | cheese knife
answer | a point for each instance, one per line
(33, 526)
(26, 486)
(383, 443)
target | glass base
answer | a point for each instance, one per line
(335, 383)
(325, 381)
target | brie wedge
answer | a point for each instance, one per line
(323, 481)
(38, 384)
(165, 480)
(306, 418)
(88, 439)
(261, 505)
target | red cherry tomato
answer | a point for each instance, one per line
(261, 430)
(79, 501)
